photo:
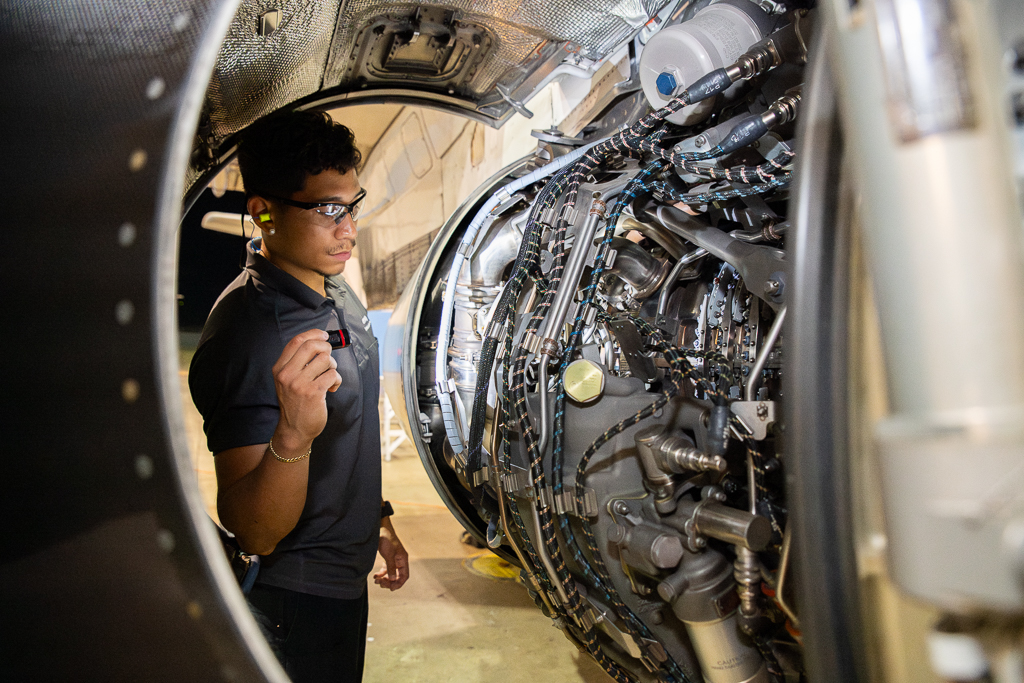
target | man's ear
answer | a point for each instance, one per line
(259, 209)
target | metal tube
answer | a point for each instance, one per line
(770, 231)
(534, 582)
(444, 397)
(757, 264)
(545, 560)
(787, 544)
(762, 357)
(542, 389)
(556, 315)
(666, 289)
(635, 266)
(573, 271)
(751, 484)
(733, 526)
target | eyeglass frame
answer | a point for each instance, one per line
(346, 209)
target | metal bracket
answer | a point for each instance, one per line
(506, 94)
(755, 416)
(269, 21)
(631, 343)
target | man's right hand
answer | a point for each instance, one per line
(259, 498)
(303, 375)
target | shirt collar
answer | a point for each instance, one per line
(272, 276)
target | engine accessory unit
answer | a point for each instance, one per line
(677, 56)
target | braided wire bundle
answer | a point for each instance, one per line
(599, 580)
(673, 195)
(639, 140)
(743, 174)
(585, 633)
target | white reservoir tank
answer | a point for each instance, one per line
(678, 55)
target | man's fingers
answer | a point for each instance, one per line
(312, 352)
(392, 569)
(402, 566)
(329, 380)
(316, 366)
(295, 343)
(381, 578)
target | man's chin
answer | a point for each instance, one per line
(336, 270)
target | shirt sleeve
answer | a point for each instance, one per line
(233, 389)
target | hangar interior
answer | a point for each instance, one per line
(706, 322)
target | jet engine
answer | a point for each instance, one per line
(594, 359)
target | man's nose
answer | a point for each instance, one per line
(346, 228)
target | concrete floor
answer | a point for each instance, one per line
(461, 617)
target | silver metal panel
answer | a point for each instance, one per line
(595, 27)
(257, 74)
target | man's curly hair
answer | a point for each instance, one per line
(277, 154)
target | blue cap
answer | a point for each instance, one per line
(666, 84)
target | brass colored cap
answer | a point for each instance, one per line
(584, 381)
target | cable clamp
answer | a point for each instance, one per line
(567, 502)
(531, 342)
(547, 216)
(569, 215)
(502, 195)
(480, 477)
(494, 331)
(517, 483)
(585, 619)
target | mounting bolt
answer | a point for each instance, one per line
(700, 141)
(775, 286)
(666, 83)
(620, 507)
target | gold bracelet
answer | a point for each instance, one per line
(301, 457)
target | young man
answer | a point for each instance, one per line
(292, 418)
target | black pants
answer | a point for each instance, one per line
(316, 639)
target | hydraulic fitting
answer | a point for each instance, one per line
(662, 455)
(782, 110)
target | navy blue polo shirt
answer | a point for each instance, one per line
(332, 549)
